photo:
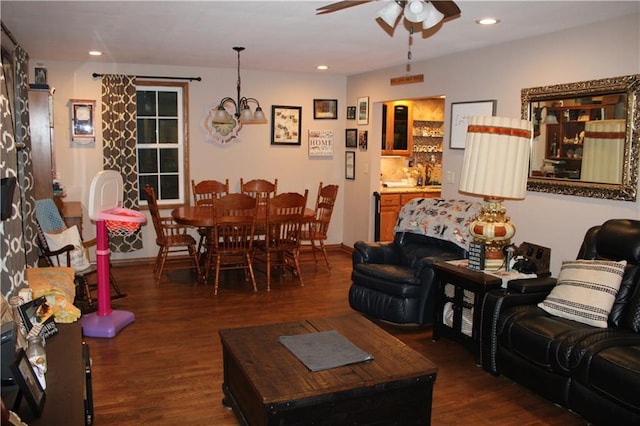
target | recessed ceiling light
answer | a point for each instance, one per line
(322, 67)
(95, 53)
(488, 21)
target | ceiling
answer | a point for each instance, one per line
(278, 35)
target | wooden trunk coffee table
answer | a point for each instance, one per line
(265, 384)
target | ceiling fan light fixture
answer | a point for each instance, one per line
(416, 11)
(434, 18)
(389, 14)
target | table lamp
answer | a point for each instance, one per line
(495, 166)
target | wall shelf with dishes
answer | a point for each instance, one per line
(427, 142)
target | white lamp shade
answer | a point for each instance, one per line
(496, 157)
(389, 14)
(416, 11)
(435, 16)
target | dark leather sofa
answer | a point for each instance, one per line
(592, 371)
(394, 281)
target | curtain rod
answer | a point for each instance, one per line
(156, 77)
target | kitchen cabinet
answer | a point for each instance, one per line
(42, 154)
(389, 206)
(397, 128)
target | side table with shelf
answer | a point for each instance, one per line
(465, 290)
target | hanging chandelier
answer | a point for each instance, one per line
(241, 105)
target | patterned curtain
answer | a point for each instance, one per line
(17, 237)
(119, 150)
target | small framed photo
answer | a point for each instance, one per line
(351, 138)
(363, 139)
(325, 109)
(350, 165)
(286, 125)
(460, 113)
(28, 383)
(83, 129)
(351, 113)
(40, 75)
(363, 110)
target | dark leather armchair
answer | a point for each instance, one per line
(593, 371)
(394, 281)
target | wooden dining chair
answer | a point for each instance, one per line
(204, 193)
(314, 230)
(170, 238)
(231, 242)
(261, 190)
(281, 245)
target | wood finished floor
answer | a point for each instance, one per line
(166, 367)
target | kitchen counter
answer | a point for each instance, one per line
(412, 189)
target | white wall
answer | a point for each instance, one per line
(252, 157)
(500, 72)
(604, 50)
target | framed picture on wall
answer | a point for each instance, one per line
(460, 113)
(351, 113)
(83, 130)
(363, 140)
(363, 110)
(350, 165)
(351, 138)
(325, 109)
(286, 125)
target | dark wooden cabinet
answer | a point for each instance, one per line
(68, 394)
(397, 128)
(72, 214)
(42, 151)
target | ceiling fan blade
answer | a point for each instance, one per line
(448, 8)
(333, 7)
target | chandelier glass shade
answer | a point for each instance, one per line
(242, 110)
(415, 11)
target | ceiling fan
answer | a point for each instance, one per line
(429, 13)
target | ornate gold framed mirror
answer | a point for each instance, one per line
(585, 137)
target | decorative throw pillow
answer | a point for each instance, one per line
(585, 291)
(79, 258)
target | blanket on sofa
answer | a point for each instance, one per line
(435, 217)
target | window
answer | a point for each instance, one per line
(161, 145)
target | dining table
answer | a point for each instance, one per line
(202, 216)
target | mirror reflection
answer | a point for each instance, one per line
(580, 138)
(586, 140)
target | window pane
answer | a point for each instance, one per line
(147, 161)
(146, 130)
(167, 104)
(169, 187)
(146, 102)
(168, 131)
(150, 180)
(169, 161)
